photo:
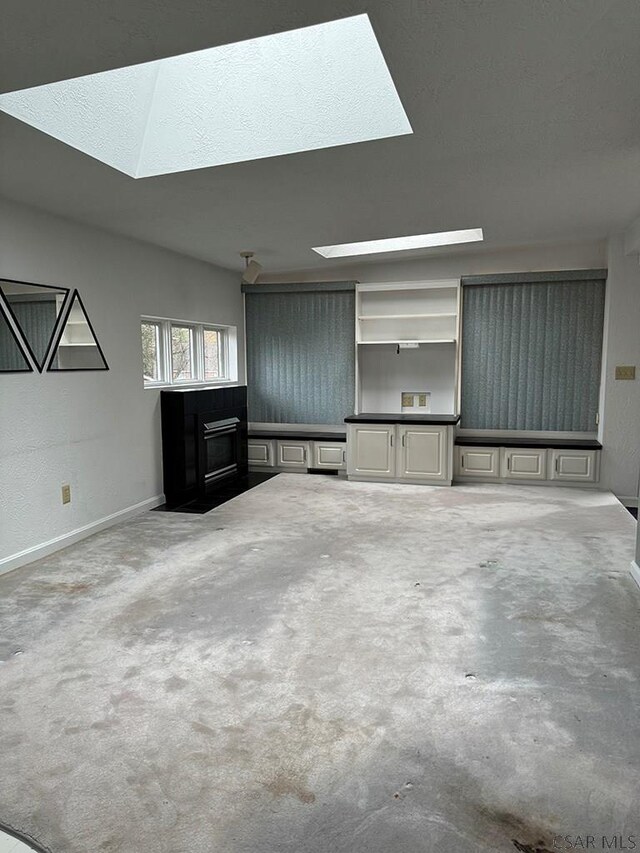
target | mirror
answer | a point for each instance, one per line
(12, 358)
(35, 309)
(77, 347)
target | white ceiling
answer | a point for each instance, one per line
(526, 119)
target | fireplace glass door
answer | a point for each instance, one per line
(221, 440)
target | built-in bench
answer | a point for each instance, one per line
(516, 458)
(297, 450)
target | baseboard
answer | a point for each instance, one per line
(15, 561)
(635, 572)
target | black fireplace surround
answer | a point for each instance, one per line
(204, 441)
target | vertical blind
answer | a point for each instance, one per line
(300, 353)
(37, 319)
(531, 351)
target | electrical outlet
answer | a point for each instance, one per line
(66, 494)
(626, 371)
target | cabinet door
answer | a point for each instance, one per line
(329, 454)
(293, 454)
(574, 465)
(370, 450)
(524, 463)
(480, 462)
(422, 453)
(261, 452)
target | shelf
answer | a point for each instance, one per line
(403, 316)
(422, 341)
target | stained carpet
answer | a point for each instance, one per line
(320, 666)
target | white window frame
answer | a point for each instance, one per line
(227, 353)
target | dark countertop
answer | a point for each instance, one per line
(298, 435)
(395, 418)
(554, 443)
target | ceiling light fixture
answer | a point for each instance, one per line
(315, 87)
(401, 244)
(252, 269)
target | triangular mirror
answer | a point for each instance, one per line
(35, 309)
(12, 358)
(76, 346)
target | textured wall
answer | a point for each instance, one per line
(99, 431)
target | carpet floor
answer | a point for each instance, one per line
(321, 666)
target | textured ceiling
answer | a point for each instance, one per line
(309, 88)
(526, 119)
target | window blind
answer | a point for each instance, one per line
(531, 351)
(300, 353)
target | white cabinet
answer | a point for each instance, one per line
(329, 455)
(296, 454)
(574, 465)
(261, 453)
(370, 450)
(422, 453)
(524, 463)
(496, 464)
(292, 455)
(480, 462)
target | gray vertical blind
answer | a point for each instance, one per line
(37, 320)
(531, 353)
(11, 356)
(300, 355)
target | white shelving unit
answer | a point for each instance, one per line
(390, 316)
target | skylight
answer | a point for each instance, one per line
(316, 87)
(401, 244)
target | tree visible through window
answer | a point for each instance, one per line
(177, 352)
(212, 360)
(150, 351)
(181, 353)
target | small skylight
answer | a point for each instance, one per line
(401, 244)
(315, 87)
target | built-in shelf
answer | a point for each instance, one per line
(409, 341)
(422, 320)
(404, 316)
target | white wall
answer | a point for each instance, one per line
(98, 431)
(620, 409)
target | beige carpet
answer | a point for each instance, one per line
(328, 667)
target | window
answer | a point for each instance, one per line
(150, 351)
(178, 352)
(300, 345)
(212, 354)
(531, 351)
(182, 360)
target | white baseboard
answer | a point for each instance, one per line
(635, 572)
(15, 561)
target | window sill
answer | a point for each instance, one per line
(188, 386)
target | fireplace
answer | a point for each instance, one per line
(221, 449)
(204, 441)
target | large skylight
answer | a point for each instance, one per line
(316, 87)
(400, 244)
